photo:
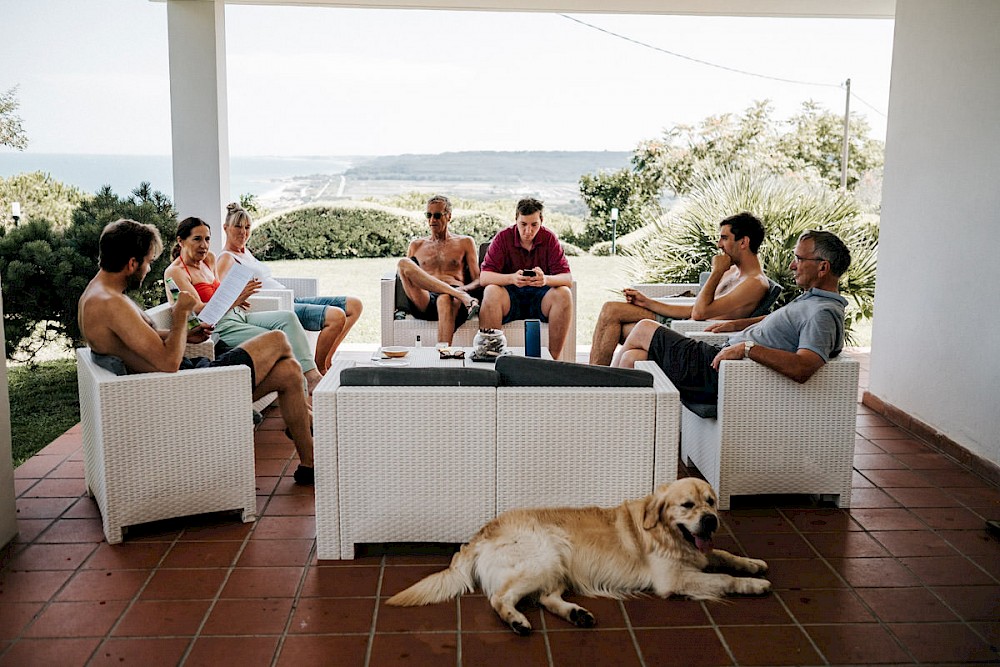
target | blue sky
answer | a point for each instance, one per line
(93, 76)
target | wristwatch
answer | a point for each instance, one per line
(747, 346)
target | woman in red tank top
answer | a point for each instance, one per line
(193, 269)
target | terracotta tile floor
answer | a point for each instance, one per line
(908, 575)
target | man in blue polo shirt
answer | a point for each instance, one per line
(526, 276)
(795, 340)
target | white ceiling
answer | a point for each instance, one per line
(868, 9)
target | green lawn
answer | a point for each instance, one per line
(598, 280)
(43, 403)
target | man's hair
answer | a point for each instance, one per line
(236, 213)
(828, 246)
(529, 206)
(125, 239)
(184, 230)
(441, 199)
(748, 225)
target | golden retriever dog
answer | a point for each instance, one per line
(661, 543)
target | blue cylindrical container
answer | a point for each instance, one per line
(532, 338)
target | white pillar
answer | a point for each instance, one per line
(8, 509)
(198, 111)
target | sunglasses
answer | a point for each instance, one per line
(437, 215)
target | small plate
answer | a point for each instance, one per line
(395, 352)
(392, 362)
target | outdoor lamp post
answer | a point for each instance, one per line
(614, 229)
(15, 211)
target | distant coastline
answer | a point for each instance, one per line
(282, 182)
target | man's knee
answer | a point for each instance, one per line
(404, 267)
(612, 311)
(562, 296)
(287, 373)
(334, 317)
(353, 307)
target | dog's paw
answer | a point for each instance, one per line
(582, 618)
(755, 566)
(522, 629)
(748, 586)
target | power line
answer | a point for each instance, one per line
(880, 113)
(699, 61)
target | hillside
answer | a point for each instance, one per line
(490, 166)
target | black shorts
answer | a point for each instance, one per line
(688, 364)
(431, 314)
(234, 357)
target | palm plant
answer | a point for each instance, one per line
(683, 243)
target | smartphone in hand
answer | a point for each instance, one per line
(528, 273)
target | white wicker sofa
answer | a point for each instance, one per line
(773, 435)
(405, 331)
(434, 463)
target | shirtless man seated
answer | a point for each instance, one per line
(734, 288)
(433, 273)
(114, 325)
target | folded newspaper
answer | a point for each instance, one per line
(227, 293)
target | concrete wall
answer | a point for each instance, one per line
(8, 510)
(937, 307)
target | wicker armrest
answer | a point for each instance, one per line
(689, 326)
(660, 290)
(710, 337)
(285, 297)
(301, 287)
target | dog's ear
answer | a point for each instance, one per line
(653, 509)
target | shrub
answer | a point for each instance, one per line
(682, 245)
(333, 232)
(481, 226)
(41, 197)
(44, 270)
(624, 190)
(563, 224)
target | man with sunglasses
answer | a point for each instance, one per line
(434, 270)
(795, 340)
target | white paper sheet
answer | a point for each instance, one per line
(228, 291)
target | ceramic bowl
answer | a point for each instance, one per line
(394, 352)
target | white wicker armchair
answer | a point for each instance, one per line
(774, 435)
(164, 445)
(405, 331)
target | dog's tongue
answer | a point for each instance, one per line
(704, 544)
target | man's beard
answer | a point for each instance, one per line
(134, 282)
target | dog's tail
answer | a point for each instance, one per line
(443, 585)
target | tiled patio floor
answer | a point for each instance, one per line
(908, 575)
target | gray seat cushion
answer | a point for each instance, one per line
(532, 372)
(418, 377)
(109, 363)
(764, 307)
(703, 410)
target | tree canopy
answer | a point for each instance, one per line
(11, 132)
(806, 147)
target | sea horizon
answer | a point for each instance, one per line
(248, 174)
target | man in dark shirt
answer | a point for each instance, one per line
(526, 275)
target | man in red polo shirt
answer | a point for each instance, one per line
(526, 275)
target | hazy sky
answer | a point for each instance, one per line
(94, 78)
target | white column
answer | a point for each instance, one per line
(198, 111)
(937, 304)
(8, 510)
